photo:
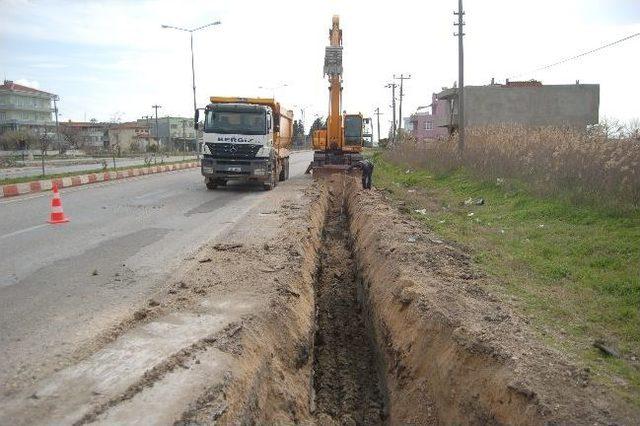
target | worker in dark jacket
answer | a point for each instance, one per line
(367, 171)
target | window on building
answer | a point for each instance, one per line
(3, 117)
(174, 126)
(428, 125)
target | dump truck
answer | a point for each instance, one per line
(246, 140)
(339, 146)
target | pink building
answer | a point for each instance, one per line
(422, 125)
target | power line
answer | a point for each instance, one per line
(580, 55)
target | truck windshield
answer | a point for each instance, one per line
(245, 123)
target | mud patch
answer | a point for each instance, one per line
(346, 381)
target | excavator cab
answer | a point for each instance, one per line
(352, 131)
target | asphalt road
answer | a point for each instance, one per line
(57, 167)
(61, 284)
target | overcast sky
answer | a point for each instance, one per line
(110, 59)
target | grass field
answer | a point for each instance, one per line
(573, 270)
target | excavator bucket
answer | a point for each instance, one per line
(327, 162)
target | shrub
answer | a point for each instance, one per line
(585, 167)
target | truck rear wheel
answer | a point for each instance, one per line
(284, 173)
(286, 168)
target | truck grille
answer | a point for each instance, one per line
(228, 150)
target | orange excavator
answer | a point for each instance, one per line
(339, 145)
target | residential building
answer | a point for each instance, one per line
(130, 137)
(528, 103)
(174, 133)
(25, 108)
(422, 124)
(90, 135)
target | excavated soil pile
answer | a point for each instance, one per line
(346, 382)
(453, 353)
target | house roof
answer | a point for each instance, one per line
(83, 124)
(132, 125)
(10, 85)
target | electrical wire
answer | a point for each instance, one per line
(579, 56)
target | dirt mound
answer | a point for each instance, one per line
(443, 336)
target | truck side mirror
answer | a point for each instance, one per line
(196, 118)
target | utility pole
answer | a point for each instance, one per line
(157, 134)
(378, 114)
(393, 105)
(184, 137)
(147, 117)
(460, 35)
(56, 98)
(402, 78)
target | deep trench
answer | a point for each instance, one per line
(347, 384)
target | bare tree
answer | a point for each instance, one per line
(633, 129)
(45, 142)
(17, 140)
(72, 136)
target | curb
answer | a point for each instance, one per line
(66, 182)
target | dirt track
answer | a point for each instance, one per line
(339, 311)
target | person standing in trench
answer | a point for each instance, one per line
(366, 167)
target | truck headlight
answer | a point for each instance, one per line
(208, 170)
(264, 152)
(260, 172)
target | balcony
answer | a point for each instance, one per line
(12, 107)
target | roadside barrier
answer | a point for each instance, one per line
(65, 182)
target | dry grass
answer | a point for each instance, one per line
(579, 166)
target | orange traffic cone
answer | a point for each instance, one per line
(57, 215)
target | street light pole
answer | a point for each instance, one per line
(193, 72)
(193, 67)
(273, 89)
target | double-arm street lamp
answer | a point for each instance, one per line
(273, 89)
(193, 71)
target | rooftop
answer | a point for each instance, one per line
(14, 87)
(132, 125)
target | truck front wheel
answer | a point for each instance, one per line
(211, 184)
(273, 179)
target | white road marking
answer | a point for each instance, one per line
(22, 231)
